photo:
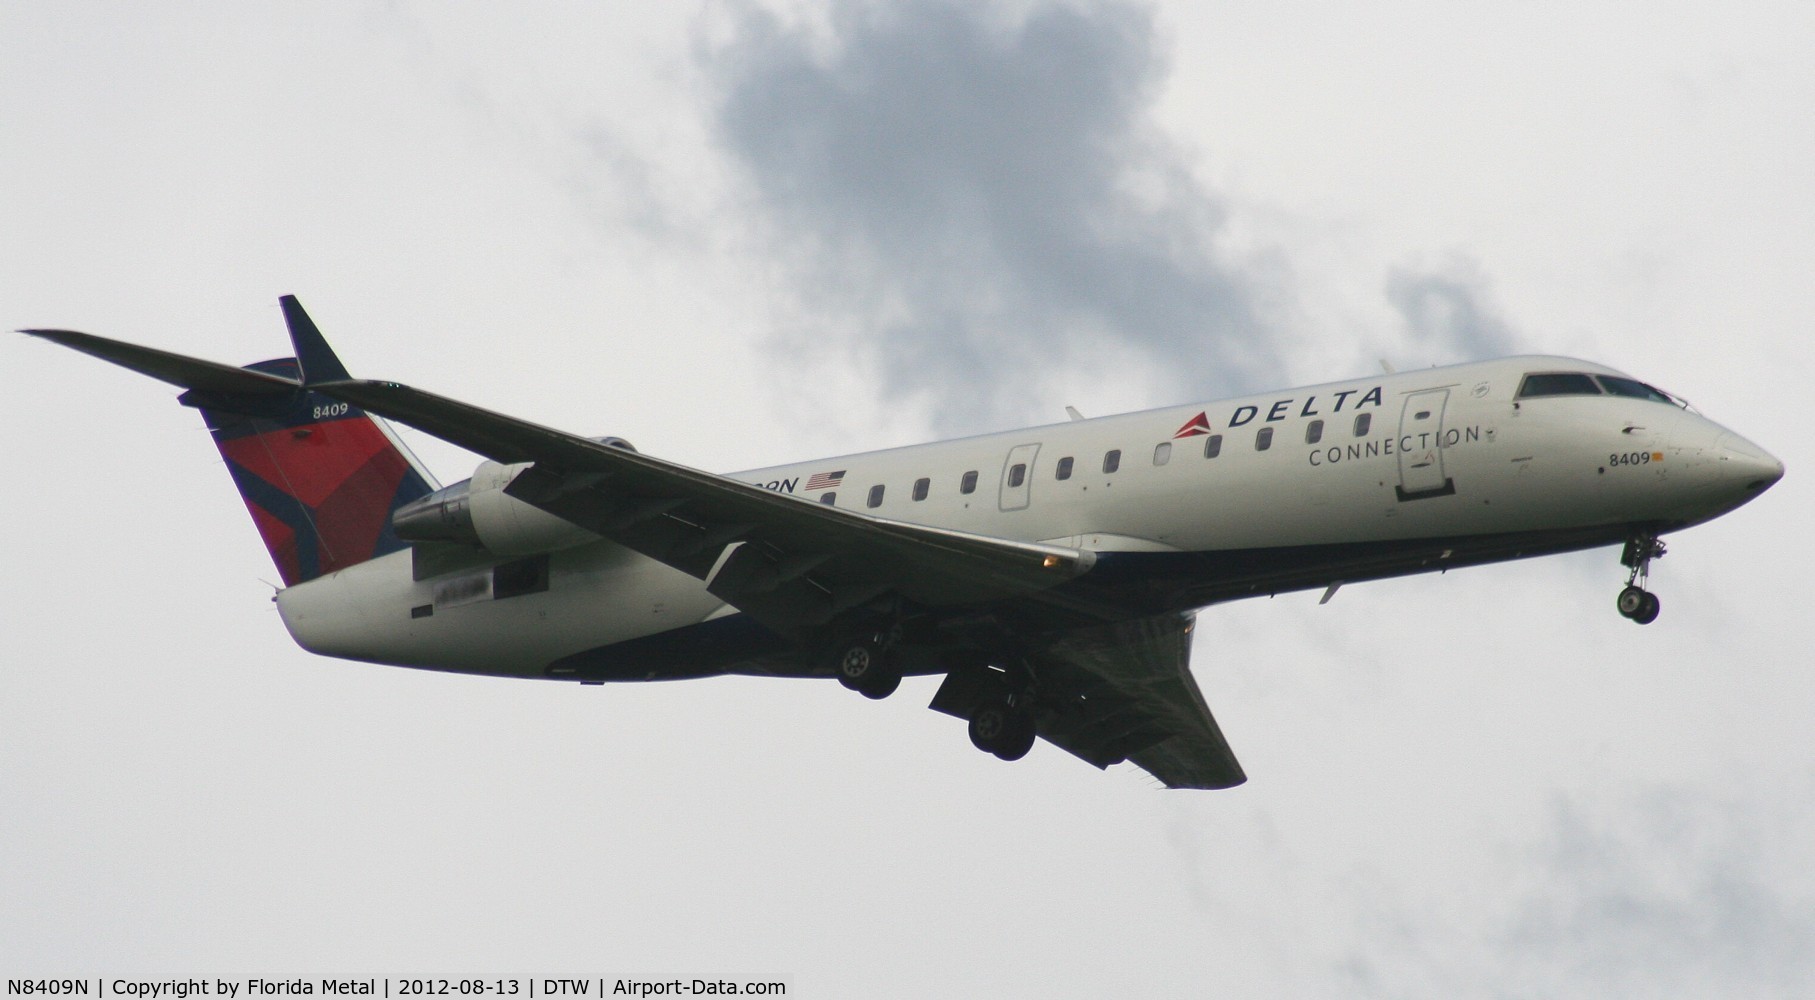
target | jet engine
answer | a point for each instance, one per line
(478, 512)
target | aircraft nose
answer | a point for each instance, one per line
(1746, 465)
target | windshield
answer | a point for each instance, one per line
(1583, 384)
(1558, 384)
(1617, 386)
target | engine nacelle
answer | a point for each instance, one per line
(479, 512)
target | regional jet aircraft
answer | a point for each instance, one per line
(1050, 575)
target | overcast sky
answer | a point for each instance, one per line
(745, 233)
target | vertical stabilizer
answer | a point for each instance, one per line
(320, 477)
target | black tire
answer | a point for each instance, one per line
(1632, 602)
(1648, 612)
(989, 721)
(856, 664)
(1002, 729)
(1018, 740)
(881, 683)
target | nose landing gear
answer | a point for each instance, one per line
(1635, 602)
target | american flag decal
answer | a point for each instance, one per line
(825, 480)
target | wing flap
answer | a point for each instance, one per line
(1127, 693)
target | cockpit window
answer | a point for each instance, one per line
(1558, 384)
(1617, 386)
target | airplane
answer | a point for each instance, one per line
(1052, 574)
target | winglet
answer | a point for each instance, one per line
(313, 355)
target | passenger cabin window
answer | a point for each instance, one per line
(1112, 460)
(1363, 423)
(876, 495)
(1064, 468)
(968, 484)
(1558, 384)
(1633, 388)
(1213, 446)
(1264, 439)
(920, 488)
(1162, 453)
(828, 498)
(1314, 432)
(1017, 474)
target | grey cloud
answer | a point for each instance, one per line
(1446, 312)
(959, 195)
(1665, 894)
(1672, 891)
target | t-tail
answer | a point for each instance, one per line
(320, 476)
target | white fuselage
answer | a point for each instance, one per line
(1445, 454)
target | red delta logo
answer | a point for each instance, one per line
(1199, 424)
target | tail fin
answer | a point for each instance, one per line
(320, 477)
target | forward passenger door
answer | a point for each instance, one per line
(1420, 446)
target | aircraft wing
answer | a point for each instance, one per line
(1115, 688)
(788, 562)
(1123, 692)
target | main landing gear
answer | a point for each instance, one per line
(1635, 601)
(868, 666)
(1003, 726)
(997, 701)
(1001, 711)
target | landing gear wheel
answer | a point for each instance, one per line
(1018, 740)
(867, 668)
(881, 685)
(988, 723)
(1640, 605)
(857, 663)
(1002, 729)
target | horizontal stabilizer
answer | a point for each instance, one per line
(176, 369)
(320, 477)
(313, 355)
